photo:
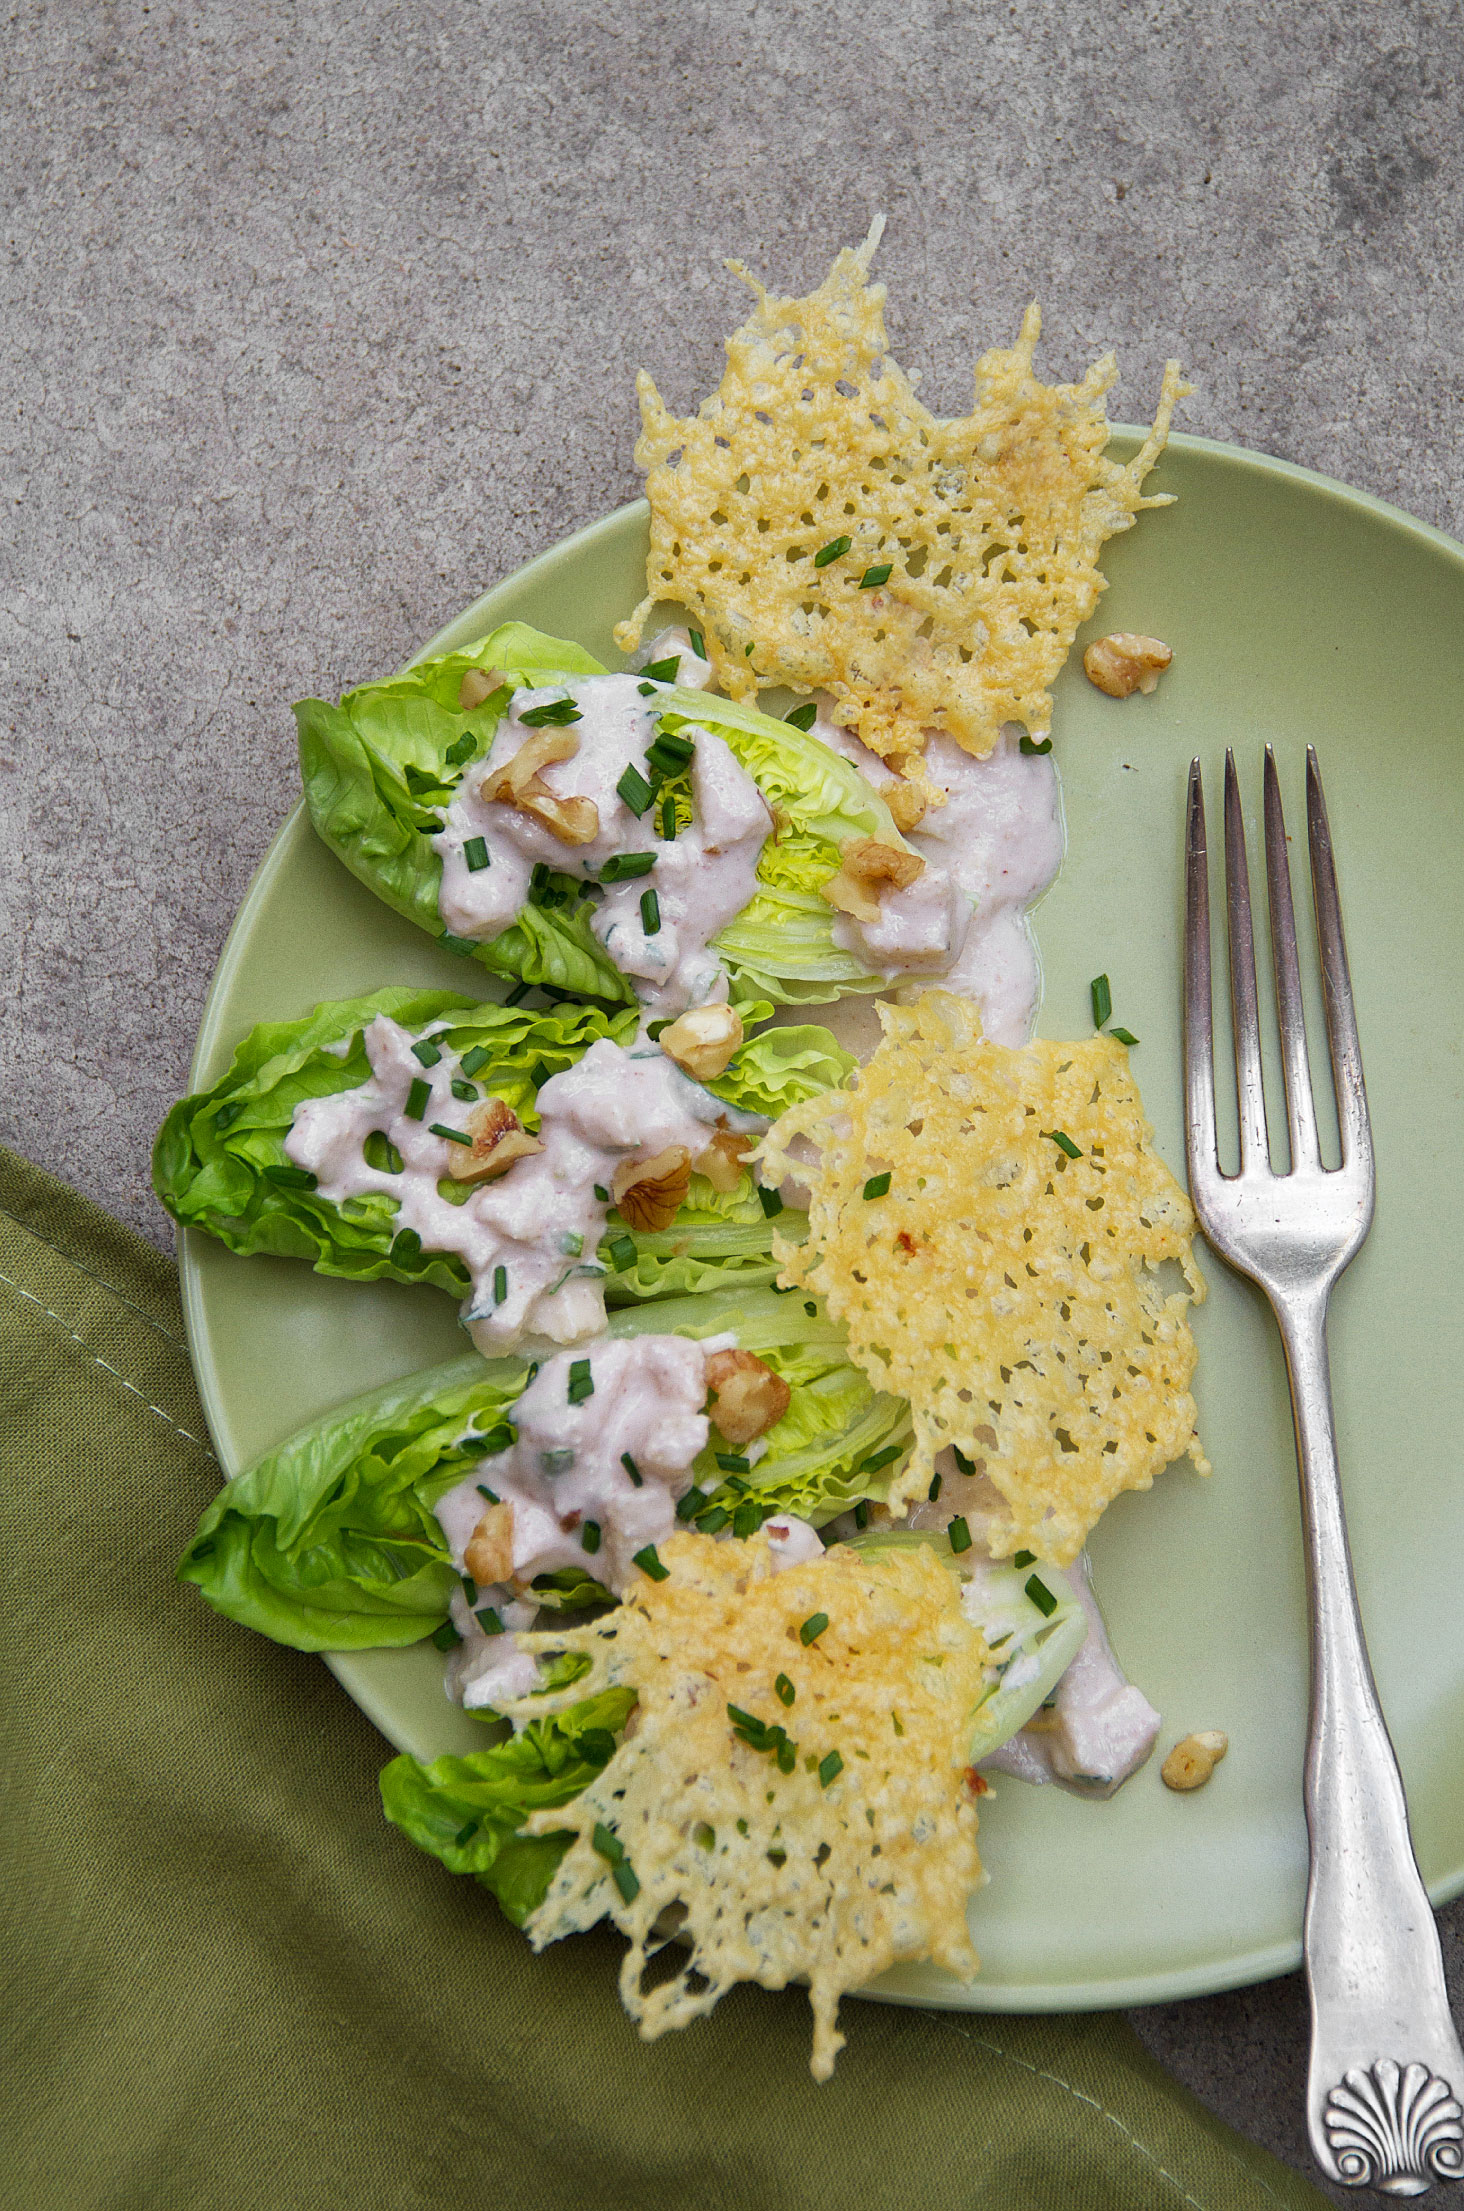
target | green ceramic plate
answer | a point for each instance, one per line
(1298, 611)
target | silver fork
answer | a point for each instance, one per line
(1386, 2080)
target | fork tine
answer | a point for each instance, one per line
(1199, 1042)
(1301, 1119)
(1352, 1114)
(1250, 1094)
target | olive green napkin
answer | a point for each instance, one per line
(234, 1986)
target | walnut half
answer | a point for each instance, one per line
(702, 1042)
(1125, 663)
(499, 1138)
(489, 1555)
(519, 783)
(651, 1192)
(747, 1397)
(722, 1160)
(867, 868)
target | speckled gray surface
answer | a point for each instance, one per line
(321, 318)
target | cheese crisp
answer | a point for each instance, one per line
(988, 1224)
(795, 1790)
(827, 531)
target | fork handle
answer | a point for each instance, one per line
(1386, 2081)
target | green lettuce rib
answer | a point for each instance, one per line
(215, 1150)
(330, 1542)
(467, 1811)
(380, 768)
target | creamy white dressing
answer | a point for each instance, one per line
(532, 1234)
(996, 843)
(701, 878)
(1099, 1728)
(694, 672)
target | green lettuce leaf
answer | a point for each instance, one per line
(330, 1542)
(379, 769)
(214, 1152)
(468, 1811)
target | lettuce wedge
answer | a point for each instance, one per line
(380, 768)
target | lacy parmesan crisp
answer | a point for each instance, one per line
(1008, 1290)
(854, 1848)
(825, 530)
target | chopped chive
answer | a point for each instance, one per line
(811, 1309)
(663, 671)
(677, 748)
(668, 819)
(590, 1536)
(290, 1178)
(538, 1074)
(1041, 1596)
(484, 1491)
(646, 690)
(635, 791)
(836, 548)
(621, 867)
(631, 1468)
(515, 997)
(622, 1252)
(1030, 745)
(877, 1459)
(417, 1098)
(690, 1505)
(803, 717)
(447, 1638)
(829, 1769)
(467, 1091)
(1124, 1036)
(666, 762)
(451, 1136)
(959, 1533)
(470, 1589)
(732, 1462)
(461, 948)
(787, 1757)
(488, 1620)
(491, 1444)
(602, 1193)
(475, 852)
(967, 1466)
(650, 906)
(935, 1487)
(813, 1628)
(713, 1522)
(736, 1484)
(558, 714)
(771, 1202)
(1063, 1141)
(861, 1513)
(500, 1284)
(704, 1836)
(581, 1381)
(557, 1461)
(426, 1052)
(698, 644)
(608, 1844)
(747, 1519)
(877, 1186)
(784, 1690)
(874, 577)
(624, 1878)
(461, 749)
(750, 648)
(649, 1562)
(465, 1835)
(1102, 998)
(1024, 1558)
(572, 1243)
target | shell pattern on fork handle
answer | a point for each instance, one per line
(1385, 2092)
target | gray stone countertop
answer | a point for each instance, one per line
(320, 319)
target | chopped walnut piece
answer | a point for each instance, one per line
(489, 1555)
(1125, 663)
(651, 1192)
(1191, 1763)
(703, 1041)
(907, 806)
(499, 1138)
(477, 685)
(519, 783)
(722, 1160)
(747, 1397)
(867, 867)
